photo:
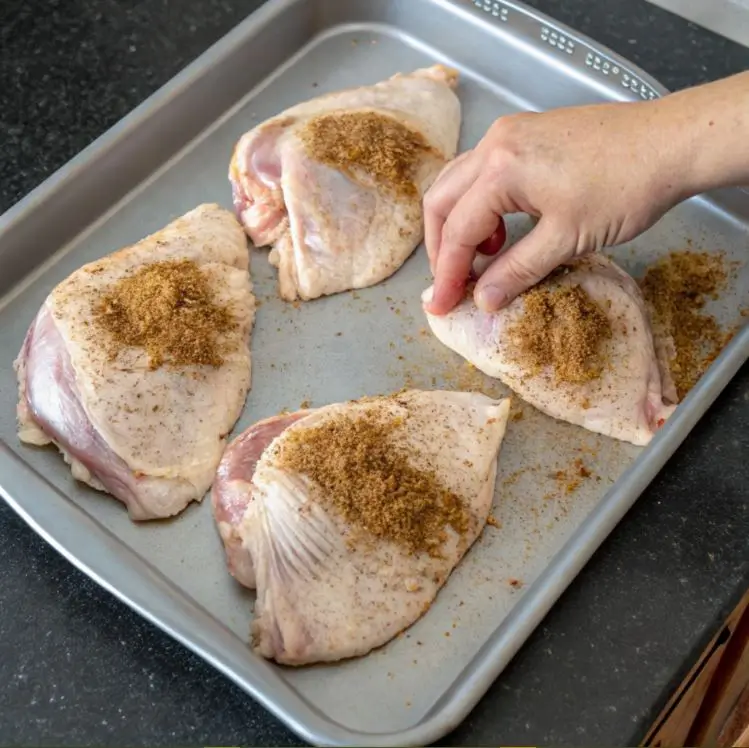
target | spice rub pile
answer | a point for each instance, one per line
(561, 328)
(365, 476)
(169, 309)
(380, 146)
(677, 289)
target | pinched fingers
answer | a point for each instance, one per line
(472, 221)
(442, 196)
(523, 265)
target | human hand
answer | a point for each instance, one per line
(595, 176)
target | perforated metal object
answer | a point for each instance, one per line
(569, 43)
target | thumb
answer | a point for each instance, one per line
(523, 265)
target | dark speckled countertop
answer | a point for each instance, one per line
(77, 667)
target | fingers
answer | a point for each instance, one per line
(440, 199)
(521, 266)
(469, 223)
(495, 242)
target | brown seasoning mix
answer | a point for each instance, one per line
(168, 309)
(366, 477)
(562, 328)
(379, 145)
(677, 289)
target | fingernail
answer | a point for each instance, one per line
(428, 295)
(491, 298)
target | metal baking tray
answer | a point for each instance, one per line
(171, 154)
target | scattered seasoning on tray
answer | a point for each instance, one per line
(562, 328)
(379, 145)
(492, 521)
(168, 309)
(513, 477)
(571, 478)
(677, 289)
(467, 378)
(366, 477)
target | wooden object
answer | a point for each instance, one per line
(735, 731)
(711, 706)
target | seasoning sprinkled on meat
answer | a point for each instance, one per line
(378, 145)
(677, 289)
(561, 328)
(367, 479)
(167, 308)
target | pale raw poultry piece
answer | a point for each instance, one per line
(151, 438)
(634, 394)
(232, 489)
(325, 593)
(331, 231)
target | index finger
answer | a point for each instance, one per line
(471, 221)
(441, 197)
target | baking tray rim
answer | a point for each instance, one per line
(264, 15)
(133, 580)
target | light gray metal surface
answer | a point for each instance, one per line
(171, 154)
(730, 18)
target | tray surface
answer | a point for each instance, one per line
(418, 686)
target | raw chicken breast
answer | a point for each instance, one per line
(232, 489)
(625, 402)
(326, 588)
(150, 437)
(335, 227)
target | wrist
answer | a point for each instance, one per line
(668, 139)
(704, 137)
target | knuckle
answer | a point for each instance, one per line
(509, 129)
(499, 161)
(436, 200)
(521, 271)
(432, 199)
(500, 158)
(507, 138)
(452, 231)
(556, 229)
(503, 129)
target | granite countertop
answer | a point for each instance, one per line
(78, 667)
